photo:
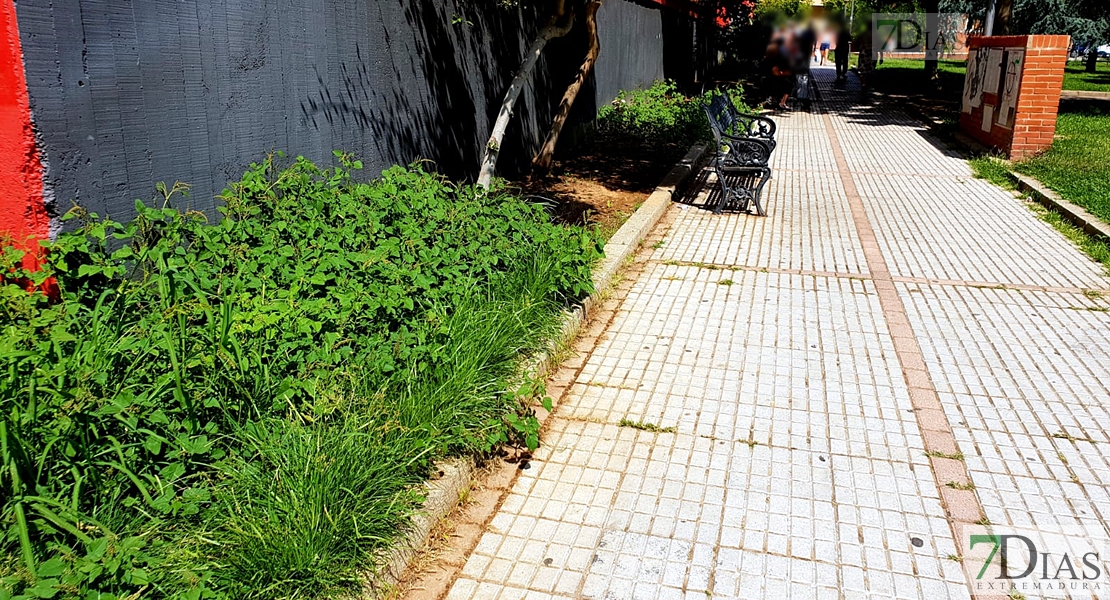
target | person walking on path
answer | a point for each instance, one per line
(840, 54)
(806, 40)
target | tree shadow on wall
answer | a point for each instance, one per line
(435, 88)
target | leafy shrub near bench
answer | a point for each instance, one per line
(244, 408)
(660, 115)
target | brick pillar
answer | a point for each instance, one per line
(1039, 100)
(1015, 111)
(23, 216)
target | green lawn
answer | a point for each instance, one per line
(952, 73)
(1078, 164)
(946, 67)
(1077, 78)
(903, 76)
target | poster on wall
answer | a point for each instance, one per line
(975, 78)
(1007, 107)
(994, 70)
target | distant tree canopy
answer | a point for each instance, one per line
(773, 10)
(1087, 21)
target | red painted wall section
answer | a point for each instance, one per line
(23, 216)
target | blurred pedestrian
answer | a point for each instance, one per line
(843, 49)
(866, 64)
(806, 40)
(778, 78)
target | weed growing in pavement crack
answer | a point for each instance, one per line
(1063, 435)
(697, 265)
(653, 428)
(935, 454)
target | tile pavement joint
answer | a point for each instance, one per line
(718, 266)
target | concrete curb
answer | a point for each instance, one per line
(1073, 213)
(444, 492)
(1084, 95)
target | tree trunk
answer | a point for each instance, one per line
(1005, 13)
(552, 30)
(542, 162)
(932, 38)
(1092, 59)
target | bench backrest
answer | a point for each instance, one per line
(723, 114)
(736, 145)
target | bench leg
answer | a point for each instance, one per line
(757, 194)
(743, 193)
(725, 192)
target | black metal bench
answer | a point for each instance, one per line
(744, 144)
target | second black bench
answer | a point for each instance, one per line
(743, 144)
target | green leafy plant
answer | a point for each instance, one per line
(235, 407)
(660, 115)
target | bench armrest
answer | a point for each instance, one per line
(736, 151)
(756, 125)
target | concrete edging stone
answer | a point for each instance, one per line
(1073, 213)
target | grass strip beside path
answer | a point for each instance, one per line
(1078, 165)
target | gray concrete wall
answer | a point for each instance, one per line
(126, 93)
(633, 58)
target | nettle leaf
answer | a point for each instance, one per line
(96, 549)
(153, 445)
(51, 568)
(43, 588)
(171, 472)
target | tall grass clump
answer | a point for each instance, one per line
(245, 408)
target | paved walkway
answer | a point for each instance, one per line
(823, 369)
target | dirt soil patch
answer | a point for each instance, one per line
(603, 181)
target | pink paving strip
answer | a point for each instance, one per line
(962, 506)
